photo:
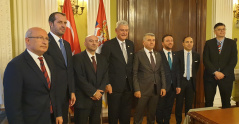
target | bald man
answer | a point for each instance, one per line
(91, 77)
(29, 83)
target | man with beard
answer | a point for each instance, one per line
(91, 75)
(60, 51)
(188, 62)
(170, 64)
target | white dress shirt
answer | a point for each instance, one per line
(57, 39)
(35, 58)
(90, 55)
(121, 45)
(185, 63)
(148, 55)
(166, 54)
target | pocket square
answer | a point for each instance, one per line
(131, 53)
(195, 61)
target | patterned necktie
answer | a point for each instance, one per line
(124, 52)
(188, 66)
(94, 63)
(169, 60)
(43, 69)
(152, 60)
(219, 46)
(63, 50)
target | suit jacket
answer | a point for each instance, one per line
(172, 76)
(119, 70)
(87, 81)
(26, 93)
(195, 65)
(226, 61)
(65, 74)
(145, 76)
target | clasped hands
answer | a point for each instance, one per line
(97, 95)
(218, 75)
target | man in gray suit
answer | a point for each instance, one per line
(148, 80)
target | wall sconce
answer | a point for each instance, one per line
(75, 7)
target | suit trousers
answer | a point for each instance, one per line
(88, 115)
(187, 94)
(165, 105)
(149, 103)
(225, 88)
(119, 107)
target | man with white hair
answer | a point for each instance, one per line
(119, 53)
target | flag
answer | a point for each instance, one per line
(71, 33)
(101, 28)
(101, 31)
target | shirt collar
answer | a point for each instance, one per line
(120, 41)
(166, 51)
(147, 51)
(186, 52)
(55, 37)
(88, 53)
(33, 55)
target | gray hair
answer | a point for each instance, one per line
(148, 34)
(121, 22)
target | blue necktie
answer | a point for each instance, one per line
(188, 66)
(169, 61)
(63, 50)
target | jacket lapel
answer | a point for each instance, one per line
(118, 49)
(56, 49)
(35, 68)
(147, 61)
(87, 59)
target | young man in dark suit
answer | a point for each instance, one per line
(148, 79)
(189, 63)
(219, 59)
(171, 69)
(119, 53)
(91, 76)
(30, 85)
(60, 51)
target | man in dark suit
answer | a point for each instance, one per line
(219, 59)
(189, 62)
(148, 79)
(119, 53)
(60, 51)
(170, 64)
(91, 75)
(29, 83)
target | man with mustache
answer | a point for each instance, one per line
(60, 51)
(149, 80)
(91, 76)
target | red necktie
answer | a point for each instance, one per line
(219, 46)
(43, 69)
(94, 63)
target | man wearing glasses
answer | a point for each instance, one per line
(29, 83)
(219, 59)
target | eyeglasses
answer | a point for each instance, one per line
(224, 29)
(42, 38)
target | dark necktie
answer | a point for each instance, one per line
(94, 63)
(152, 60)
(63, 50)
(169, 60)
(219, 46)
(43, 69)
(188, 66)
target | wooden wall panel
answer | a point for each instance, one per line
(179, 18)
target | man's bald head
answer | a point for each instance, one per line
(91, 43)
(37, 40)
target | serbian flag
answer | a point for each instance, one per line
(71, 33)
(101, 28)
